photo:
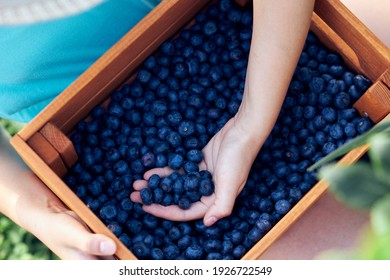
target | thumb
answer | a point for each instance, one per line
(222, 207)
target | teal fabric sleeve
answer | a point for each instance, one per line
(38, 61)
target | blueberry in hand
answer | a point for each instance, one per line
(146, 196)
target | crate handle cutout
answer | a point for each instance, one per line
(61, 144)
(48, 154)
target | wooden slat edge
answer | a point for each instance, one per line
(48, 154)
(374, 56)
(61, 143)
(375, 102)
(334, 42)
(62, 191)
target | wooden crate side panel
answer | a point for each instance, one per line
(112, 69)
(373, 56)
(61, 143)
(47, 153)
(62, 191)
(334, 42)
(375, 103)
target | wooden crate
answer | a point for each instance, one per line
(47, 150)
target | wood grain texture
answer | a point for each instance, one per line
(373, 56)
(375, 103)
(61, 143)
(65, 194)
(48, 154)
(385, 78)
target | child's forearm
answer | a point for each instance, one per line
(279, 31)
(23, 197)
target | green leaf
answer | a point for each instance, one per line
(383, 127)
(380, 216)
(379, 153)
(355, 185)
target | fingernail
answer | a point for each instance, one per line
(211, 220)
(107, 247)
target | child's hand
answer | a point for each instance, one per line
(228, 156)
(69, 238)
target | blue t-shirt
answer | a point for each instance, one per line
(38, 61)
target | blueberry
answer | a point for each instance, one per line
(294, 179)
(186, 128)
(156, 254)
(292, 154)
(194, 252)
(184, 203)
(108, 212)
(133, 226)
(336, 70)
(329, 114)
(333, 87)
(177, 186)
(210, 28)
(150, 221)
(125, 239)
(350, 130)
(161, 160)
(309, 112)
(336, 132)
(319, 122)
(94, 188)
(137, 167)
(361, 82)
(254, 235)
(126, 204)
(146, 196)
(159, 107)
(308, 150)
(143, 76)
(140, 250)
(166, 184)
(190, 167)
(148, 160)
(191, 182)
(167, 48)
(363, 124)
(239, 251)
(317, 85)
(174, 233)
(282, 206)
(153, 181)
(328, 148)
(180, 70)
(237, 236)
(206, 186)
(342, 100)
(324, 99)
(175, 161)
(263, 225)
(347, 114)
(304, 74)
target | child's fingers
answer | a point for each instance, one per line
(162, 172)
(136, 197)
(140, 184)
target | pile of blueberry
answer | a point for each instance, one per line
(181, 96)
(178, 189)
